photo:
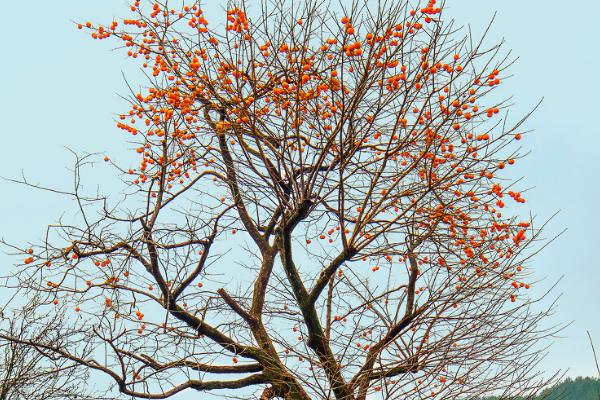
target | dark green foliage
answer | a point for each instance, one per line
(570, 389)
(574, 389)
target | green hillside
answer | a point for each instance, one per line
(574, 389)
(570, 389)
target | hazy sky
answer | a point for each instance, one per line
(60, 89)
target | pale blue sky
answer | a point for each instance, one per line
(59, 88)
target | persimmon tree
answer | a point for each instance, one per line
(316, 207)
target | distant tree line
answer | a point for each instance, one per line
(570, 389)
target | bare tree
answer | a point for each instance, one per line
(27, 370)
(321, 211)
